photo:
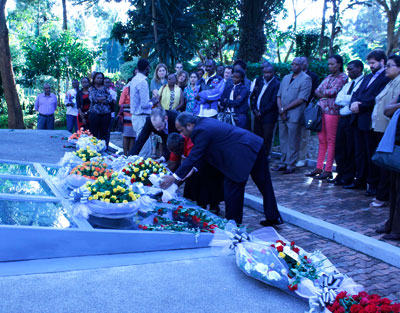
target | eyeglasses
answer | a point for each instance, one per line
(390, 65)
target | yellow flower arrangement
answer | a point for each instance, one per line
(111, 189)
(86, 154)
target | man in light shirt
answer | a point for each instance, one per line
(72, 109)
(140, 96)
(46, 105)
(344, 149)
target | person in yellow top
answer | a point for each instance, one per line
(171, 95)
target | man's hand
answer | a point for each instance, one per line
(355, 107)
(167, 181)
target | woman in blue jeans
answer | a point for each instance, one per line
(100, 107)
(236, 98)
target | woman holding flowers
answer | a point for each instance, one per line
(100, 108)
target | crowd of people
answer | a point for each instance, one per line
(356, 110)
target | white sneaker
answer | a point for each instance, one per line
(301, 163)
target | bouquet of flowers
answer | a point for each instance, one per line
(78, 134)
(92, 170)
(279, 263)
(91, 143)
(194, 220)
(362, 303)
(110, 189)
(141, 169)
(86, 154)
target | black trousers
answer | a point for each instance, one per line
(234, 191)
(266, 131)
(344, 150)
(99, 125)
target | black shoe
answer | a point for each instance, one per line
(370, 192)
(324, 175)
(391, 237)
(314, 173)
(279, 167)
(289, 171)
(339, 183)
(354, 186)
(266, 223)
(382, 230)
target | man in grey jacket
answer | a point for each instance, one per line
(292, 99)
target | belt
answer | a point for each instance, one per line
(44, 115)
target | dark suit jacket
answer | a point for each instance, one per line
(230, 149)
(268, 105)
(366, 95)
(149, 128)
(240, 106)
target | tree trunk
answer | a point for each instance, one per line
(334, 20)
(153, 15)
(322, 35)
(15, 117)
(252, 37)
(64, 7)
(392, 36)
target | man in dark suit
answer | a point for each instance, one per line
(264, 106)
(362, 105)
(161, 123)
(236, 153)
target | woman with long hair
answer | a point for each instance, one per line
(327, 92)
(159, 79)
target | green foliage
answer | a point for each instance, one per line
(127, 69)
(174, 24)
(60, 57)
(306, 44)
(319, 67)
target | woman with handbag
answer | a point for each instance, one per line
(234, 99)
(327, 92)
(380, 123)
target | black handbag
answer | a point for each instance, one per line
(227, 116)
(313, 117)
(388, 160)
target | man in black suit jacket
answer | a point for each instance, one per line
(236, 153)
(161, 123)
(264, 106)
(362, 105)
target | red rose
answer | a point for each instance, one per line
(205, 224)
(305, 257)
(341, 295)
(292, 243)
(297, 250)
(155, 220)
(355, 308)
(144, 227)
(364, 301)
(362, 294)
(293, 287)
(180, 207)
(371, 308)
(386, 308)
(279, 248)
(140, 226)
(186, 214)
(160, 211)
(175, 212)
(132, 180)
(385, 301)
(212, 231)
(273, 246)
(280, 241)
(340, 310)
